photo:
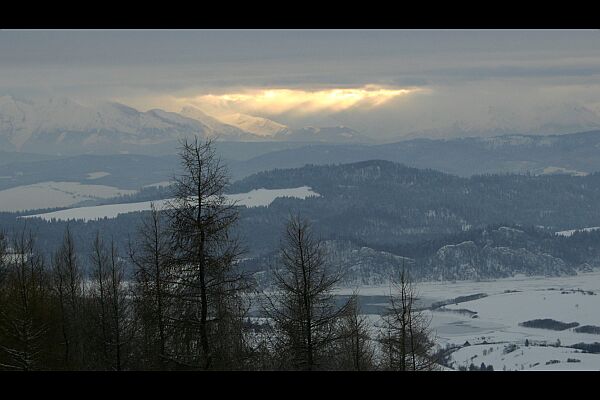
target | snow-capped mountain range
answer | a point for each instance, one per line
(245, 123)
(63, 126)
(257, 125)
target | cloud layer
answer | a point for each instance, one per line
(279, 101)
(383, 83)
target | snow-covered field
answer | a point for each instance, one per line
(504, 357)
(493, 332)
(254, 198)
(54, 194)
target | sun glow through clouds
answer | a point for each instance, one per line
(281, 100)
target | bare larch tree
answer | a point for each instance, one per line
(68, 290)
(26, 307)
(302, 306)
(3, 263)
(207, 289)
(405, 338)
(153, 288)
(112, 322)
(354, 350)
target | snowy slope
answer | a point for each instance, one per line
(60, 124)
(54, 194)
(534, 358)
(491, 326)
(254, 198)
(257, 125)
(218, 126)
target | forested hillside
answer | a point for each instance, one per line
(384, 202)
(454, 228)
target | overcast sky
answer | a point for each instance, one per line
(383, 83)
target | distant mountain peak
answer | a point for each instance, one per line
(259, 126)
(218, 125)
(61, 125)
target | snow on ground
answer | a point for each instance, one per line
(97, 175)
(264, 197)
(561, 170)
(504, 356)
(54, 194)
(508, 303)
(510, 309)
(438, 290)
(160, 184)
(257, 125)
(98, 212)
(572, 231)
(254, 198)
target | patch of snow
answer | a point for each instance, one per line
(54, 194)
(256, 125)
(97, 175)
(561, 170)
(254, 198)
(264, 197)
(160, 184)
(507, 229)
(544, 358)
(572, 231)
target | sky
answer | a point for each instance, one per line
(384, 83)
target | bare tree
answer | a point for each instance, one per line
(3, 261)
(119, 306)
(153, 288)
(405, 338)
(67, 286)
(112, 319)
(207, 287)
(99, 327)
(354, 350)
(25, 312)
(302, 306)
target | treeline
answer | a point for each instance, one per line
(186, 305)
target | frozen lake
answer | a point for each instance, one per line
(491, 324)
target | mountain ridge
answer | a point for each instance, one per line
(59, 125)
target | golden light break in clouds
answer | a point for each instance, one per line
(298, 101)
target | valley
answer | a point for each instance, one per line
(488, 329)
